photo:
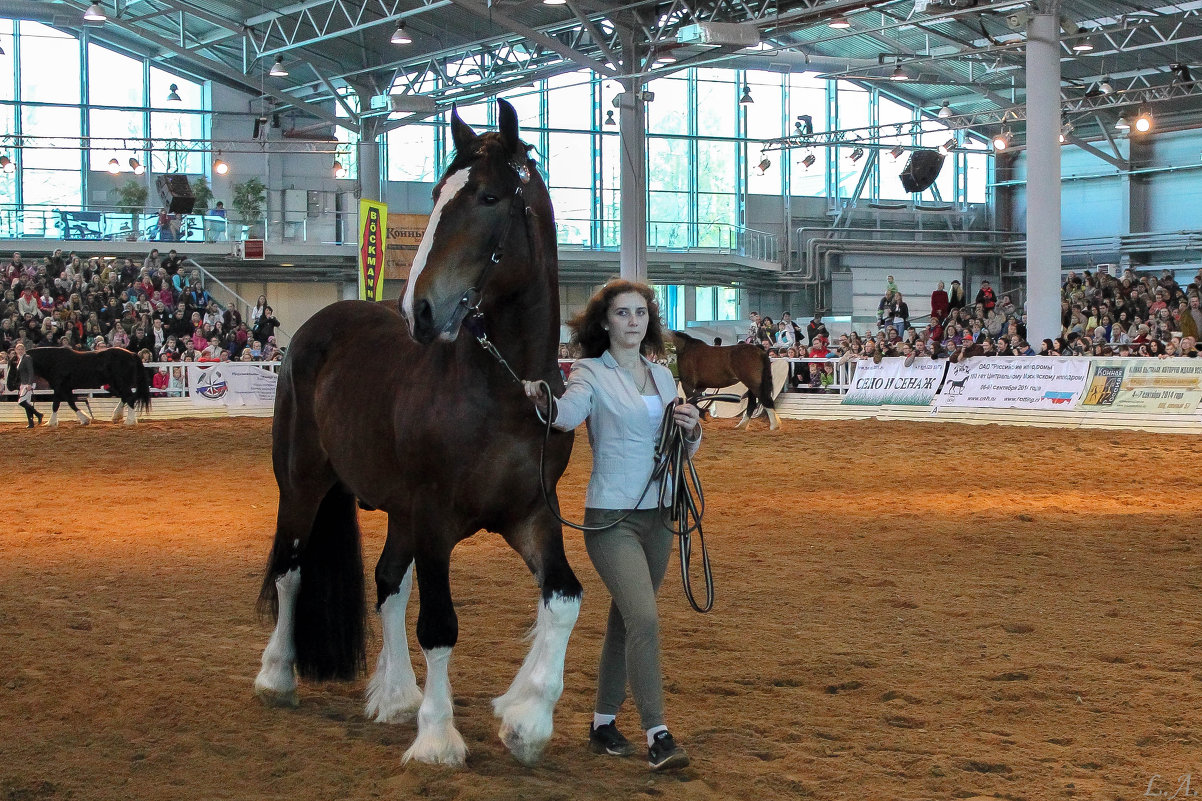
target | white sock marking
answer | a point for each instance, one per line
(276, 678)
(53, 419)
(392, 693)
(437, 741)
(449, 190)
(526, 708)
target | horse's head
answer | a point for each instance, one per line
(479, 213)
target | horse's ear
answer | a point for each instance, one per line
(461, 133)
(508, 119)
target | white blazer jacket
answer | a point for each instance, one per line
(620, 431)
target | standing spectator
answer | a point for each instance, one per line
(789, 321)
(164, 226)
(955, 298)
(898, 313)
(986, 297)
(25, 382)
(815, 327)
(940, 305)
(261, 304)
(266, 325)
(1191, 319)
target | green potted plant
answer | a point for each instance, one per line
(248, 201)
(131, 199)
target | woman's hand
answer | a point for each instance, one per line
(534, 391)
(688, 417)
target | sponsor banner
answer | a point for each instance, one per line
(893, 382)
(1020, 382)
(404, 235)
(1165, 386)
(373, 230)
(230, 384)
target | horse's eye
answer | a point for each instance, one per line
(489, 200)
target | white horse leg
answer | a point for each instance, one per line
(438, 741)
(91, 414)
(276, 682)
(773, 420)
(131, 415)
(82, 418)
(53, 421)
(526, 708)
(744, 421)
(392, 693)
(117, 411)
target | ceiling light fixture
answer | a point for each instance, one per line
(219, 166)
(947, 146)
(764, 164)
(136, 166)
(173, 95)
(896, 152)
(746, 98)
(1180, 70)
(95, 13)
(1106, 86)
(114, 166)
(839, 22)
(1143, 123)
(1082, 45)
(7, 165)
(899, 74)
(1065, 130)
(945, 110)
(399, 37)
(1002, 141)
(339, 170)
(804, 125)
(609, 118)
(277, 69)
(1122, 124)
(809, 160)
(555, 2)
(856, 154)
(2, 51)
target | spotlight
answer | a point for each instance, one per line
(856, 154)
(746, 98)
(945, 110)
(7, 165)
(896, 152)
(804, 125)
(1122, 124)
(665, 59)
(137, 167)
(399, 37)
(219, 166)
(764, 164)
(609, 118)
(809, 160)
(1106, 86)
(1143, 123)
(947, 146)
(1180, 70)
(1082, 45)
(95, 13)
(339, 170)
(277, 69)
(839, 22)
(899, 74)
(1002, 141)
(1065, 130)
(114, 166)
(173, 95)
(554, 2)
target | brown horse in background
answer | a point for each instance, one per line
(701, 366)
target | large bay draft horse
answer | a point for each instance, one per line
(401, 414)
(701, 366)
(67, 370)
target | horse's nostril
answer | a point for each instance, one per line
(423, 321)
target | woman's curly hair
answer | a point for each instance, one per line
(588, 327)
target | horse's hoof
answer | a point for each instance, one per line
(527, 752)
(275, 699)
(445, 747)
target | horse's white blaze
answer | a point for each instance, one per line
(526, 708)
(392, 693)
(450, 189)
(438, 741)
(276, 678)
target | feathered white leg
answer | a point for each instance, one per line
(276, 682)
(392, 693)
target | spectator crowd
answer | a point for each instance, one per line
(158, 309)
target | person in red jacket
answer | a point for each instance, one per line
(940, 305)
(986, 297)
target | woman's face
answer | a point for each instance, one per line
(627, 319)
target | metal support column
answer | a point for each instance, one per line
(1043, 175)
(369, 159)
(633, 186)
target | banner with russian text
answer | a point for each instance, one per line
(405, 233)
(1165, 386)
(373, 233)
(1020, 382)
(892, 382)
(231, 384)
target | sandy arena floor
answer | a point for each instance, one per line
(905, 611)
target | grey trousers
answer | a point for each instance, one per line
(631, 559)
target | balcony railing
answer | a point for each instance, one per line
(666, 236)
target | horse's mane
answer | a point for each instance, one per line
(687, 337)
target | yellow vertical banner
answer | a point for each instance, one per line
(373, 233)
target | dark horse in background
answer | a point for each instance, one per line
(402, 414)
(67, 370)
(701, 366)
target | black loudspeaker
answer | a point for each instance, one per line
(175, 193)
(921, 170)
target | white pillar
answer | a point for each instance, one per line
(632, 122)
(1043, 178)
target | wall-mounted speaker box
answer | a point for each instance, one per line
(176, 193)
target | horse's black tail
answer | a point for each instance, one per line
(766, 384)
(330, 628)
(141, 389)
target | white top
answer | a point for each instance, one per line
(655, 410)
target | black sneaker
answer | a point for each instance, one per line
(606, 739)
(665, 754)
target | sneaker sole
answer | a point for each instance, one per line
(674, 762)
(603, 750)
